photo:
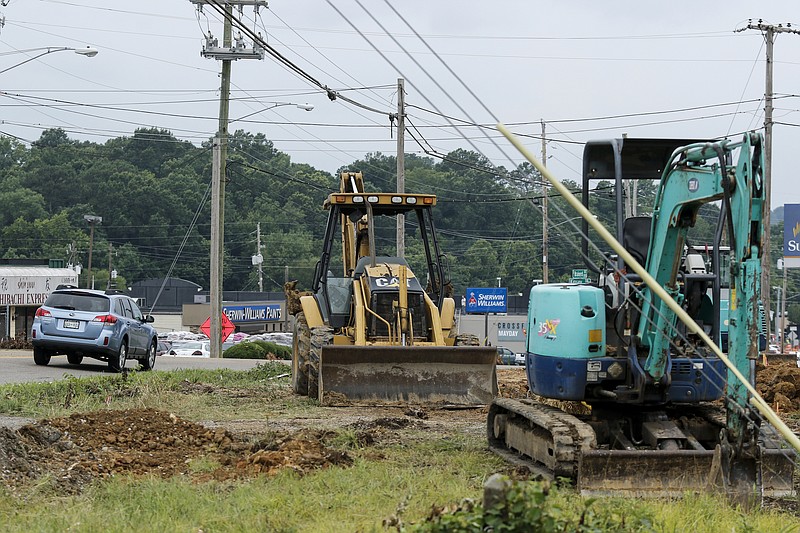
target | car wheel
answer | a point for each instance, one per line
(40, 356)
(117, 362)
(150, 361)
(74, 359)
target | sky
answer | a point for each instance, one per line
(668, 69)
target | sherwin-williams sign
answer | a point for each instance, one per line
(486, 300)
(791, 235)
(253, 313)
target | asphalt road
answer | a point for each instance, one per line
(17, 366)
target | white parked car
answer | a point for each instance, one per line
(519, 359)
(773, 348)
(190, 349)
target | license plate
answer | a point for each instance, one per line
(72, 324)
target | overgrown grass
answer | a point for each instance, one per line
(393, 489)
(541, 507)
(195, 394)
(357, 498)
(399, 482)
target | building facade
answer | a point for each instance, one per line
(23, 289)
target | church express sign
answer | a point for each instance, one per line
(791, 235)
(253, 313)
(487, 300)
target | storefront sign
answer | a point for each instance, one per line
(31, 290)
(253, 313)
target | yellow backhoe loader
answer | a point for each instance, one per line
(371, 333)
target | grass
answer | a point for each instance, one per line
(335, 499)
(247, 392)
(399, 482)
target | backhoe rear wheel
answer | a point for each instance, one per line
(320, 336)
(301, 346)
(467, 339)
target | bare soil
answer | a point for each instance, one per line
(70, 453)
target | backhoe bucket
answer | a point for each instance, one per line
(381, 375)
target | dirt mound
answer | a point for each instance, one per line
(779, 385)
(512, 382)
(72, 452)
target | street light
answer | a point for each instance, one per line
(88, 52)
(92, 220)
(218, 212)
(304, 107)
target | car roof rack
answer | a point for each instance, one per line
(114, 291)
(65, 286)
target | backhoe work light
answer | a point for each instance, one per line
(372, 199)
(358, 199)
(397, 199)
(411, 200)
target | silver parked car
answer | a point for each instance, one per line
(86, 323)
(504, 356)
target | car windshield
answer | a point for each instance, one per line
(78, 302)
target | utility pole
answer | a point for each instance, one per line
(545, 267)
(768, 31)
(783, 308)
(92, 220)
(260, 258)
(226, 54)
(108, 285)
(401, 164)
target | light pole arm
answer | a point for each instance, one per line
(304, 107)
(88, 52)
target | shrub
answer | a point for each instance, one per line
(258, 350)
(536, 506)
(17, 343)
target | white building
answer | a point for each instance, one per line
(23, 289)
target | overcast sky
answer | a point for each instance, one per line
(675, 69)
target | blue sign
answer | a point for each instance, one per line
(791, 235)
(253, 313)
(486, 300)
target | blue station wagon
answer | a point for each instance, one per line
(87, 323)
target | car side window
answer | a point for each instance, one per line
(118, 310)
(137, 313)
(126, 305)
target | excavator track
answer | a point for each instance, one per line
(554, 444)
(544, 438)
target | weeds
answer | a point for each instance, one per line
(141, 389)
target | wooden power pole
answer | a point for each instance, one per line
(401, 164)
(769, 31)
(227, 53)
(545, 251)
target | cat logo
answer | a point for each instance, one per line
(386, 282)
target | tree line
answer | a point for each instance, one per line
(153, 194)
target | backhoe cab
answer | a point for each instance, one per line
(371, 331)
